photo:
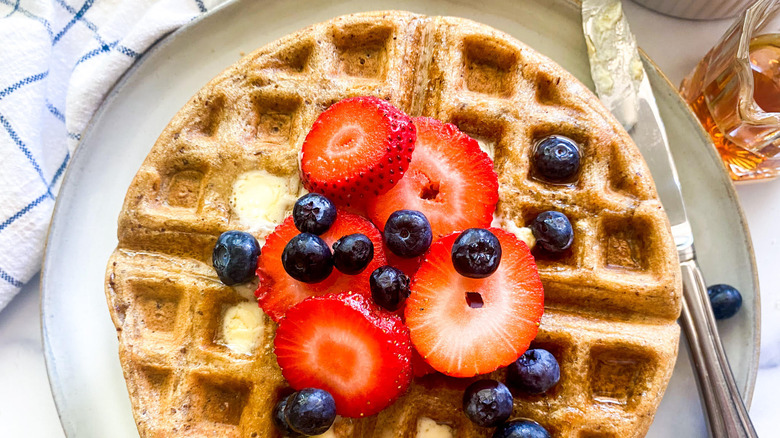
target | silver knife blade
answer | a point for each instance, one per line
(623, 87)
(649, 134)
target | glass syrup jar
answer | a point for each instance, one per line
(735, 92)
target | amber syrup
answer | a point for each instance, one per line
(741, 163)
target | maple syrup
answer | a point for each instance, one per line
(765, 62)
(750, 150)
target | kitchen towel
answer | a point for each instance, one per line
(58, 61)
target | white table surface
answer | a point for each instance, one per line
(26, 405)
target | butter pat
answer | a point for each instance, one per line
(487, 147)
(262, 200)
(614, 61)
(523, 233)
(242, 326)
(428, 428)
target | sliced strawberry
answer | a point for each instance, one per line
(450, 329)
(451, 180)
(419, 366)
(358, 148)
(408, 266)
(347, 346)
(277, 291)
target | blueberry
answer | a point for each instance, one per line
(352, 253)
(487, 403)
(725, 300)
(313, 213)
(389, 287)
(310, 411)
(521, 429)
(307, 258)
(476, 253)
(557, 158)
(235, 257)
(552, 231)
(408, 233)
(534, 372)
(280, 419)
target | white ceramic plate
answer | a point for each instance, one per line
(80, 342)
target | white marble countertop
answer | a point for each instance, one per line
(26, 405)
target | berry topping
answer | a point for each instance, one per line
(466, 326)
(307, 258)
(419, 366)
(725, 300)
(279, 417)
(277, 291)
(408, 266)
(389, 287)
(521, 429)
(487, 403)
(450, 180)
(357, 352)
(313, 213)
(552, 231)
(352, 253)
(408, 233)
(476, 253)
(235, 257)
(358, 147)
(310, 411)
(556, 158)
(534, 372)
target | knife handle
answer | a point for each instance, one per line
(726, 412)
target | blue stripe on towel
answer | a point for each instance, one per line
(28, 80)
(29, 14)
(7, 277)
(16, 8)
(76, 17)
(23, 211)
(55, 112)
(90, 25)
(105, 48)
(60, 170)
(20, 144)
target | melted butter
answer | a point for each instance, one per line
(262, 200)
(242, 326)
(487, 147)
(522, 233)
(429, 428)
(614, 61)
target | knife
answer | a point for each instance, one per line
(625, 90)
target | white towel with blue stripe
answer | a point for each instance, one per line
(58, 61)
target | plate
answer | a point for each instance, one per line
(79, 338)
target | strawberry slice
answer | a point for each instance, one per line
(419, 366)
(466, 326)
(277, 291)
(358, 148)
(451, 180)
(343, 344)
(408, 266)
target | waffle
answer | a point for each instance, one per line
(611, 301)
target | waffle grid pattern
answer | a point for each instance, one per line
(611, 302)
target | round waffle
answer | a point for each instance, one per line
(611, 302)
